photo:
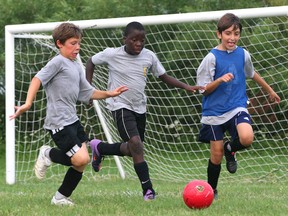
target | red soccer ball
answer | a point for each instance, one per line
(198, 194)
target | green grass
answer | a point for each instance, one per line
(123, 197)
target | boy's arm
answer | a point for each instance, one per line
(99, 94)
(171, 81)
(261, 82)
(210, 87)
(89, 70)
(32, 91)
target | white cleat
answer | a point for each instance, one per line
(42, 163)
(64, 201)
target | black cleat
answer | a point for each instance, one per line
(231, 162)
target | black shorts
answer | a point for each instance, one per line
(69, 137)
(129, 123)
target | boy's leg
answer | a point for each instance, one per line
(136, 147)
(58, 156)
(213, 173)
(70, 182)
(43, 162)
(241, 132)
(142, 172)
(213, 134)
(214, 164)
(242, 135)
(79, 158)
(72, 178)
(131, 127)
(99, 149)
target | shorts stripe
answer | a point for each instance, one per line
(123, 121)
(212, 129)
(73, 150)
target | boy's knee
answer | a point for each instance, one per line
(246, 141)
(81, 161)
(136, 146)
(216, 157)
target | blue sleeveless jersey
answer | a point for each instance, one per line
(230, 95)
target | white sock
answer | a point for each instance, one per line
(59, 196)
(46, 153)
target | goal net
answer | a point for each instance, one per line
(173, 118)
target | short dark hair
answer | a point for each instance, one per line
(133, 26)
(228, 20)
(65, 31)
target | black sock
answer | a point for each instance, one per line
(70, 182)
(109, 149)
(57, 156)
(213, 172)
(235, 145)
(142, 171)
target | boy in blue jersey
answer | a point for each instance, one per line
(64, 83)
(129, 65)
(223, 72)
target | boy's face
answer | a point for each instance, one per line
(70, 48)
(134, 42)
(229, 38)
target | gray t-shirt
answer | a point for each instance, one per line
(205, 75)
(64, 83)
(129, 70)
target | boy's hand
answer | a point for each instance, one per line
(273, 97)
(118, 91)
(226, 77)
(195, 88)
(19, 111)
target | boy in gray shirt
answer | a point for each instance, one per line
(129, 65)
(64, 83)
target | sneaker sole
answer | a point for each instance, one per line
(232, 168)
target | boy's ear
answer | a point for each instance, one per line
(124, 38)
(59, 44)
(219, 35)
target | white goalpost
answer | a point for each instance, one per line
(171, 144)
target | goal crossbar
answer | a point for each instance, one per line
(153, 20)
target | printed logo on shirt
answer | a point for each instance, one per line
(145, 71)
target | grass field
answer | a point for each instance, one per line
(123, 197)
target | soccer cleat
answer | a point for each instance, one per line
(231, 162)
(149, 195)
(215, 194)
(96, 156)
(42, 163)
(64, 201)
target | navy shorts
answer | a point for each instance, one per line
(69, 139)
(216, 132)
(129, 123)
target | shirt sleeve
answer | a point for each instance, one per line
(248, 67)
(100, 58)
(206, 71)
(86, 89)
(157, 68)
(48, 71)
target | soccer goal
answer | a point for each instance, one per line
(173, 118)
